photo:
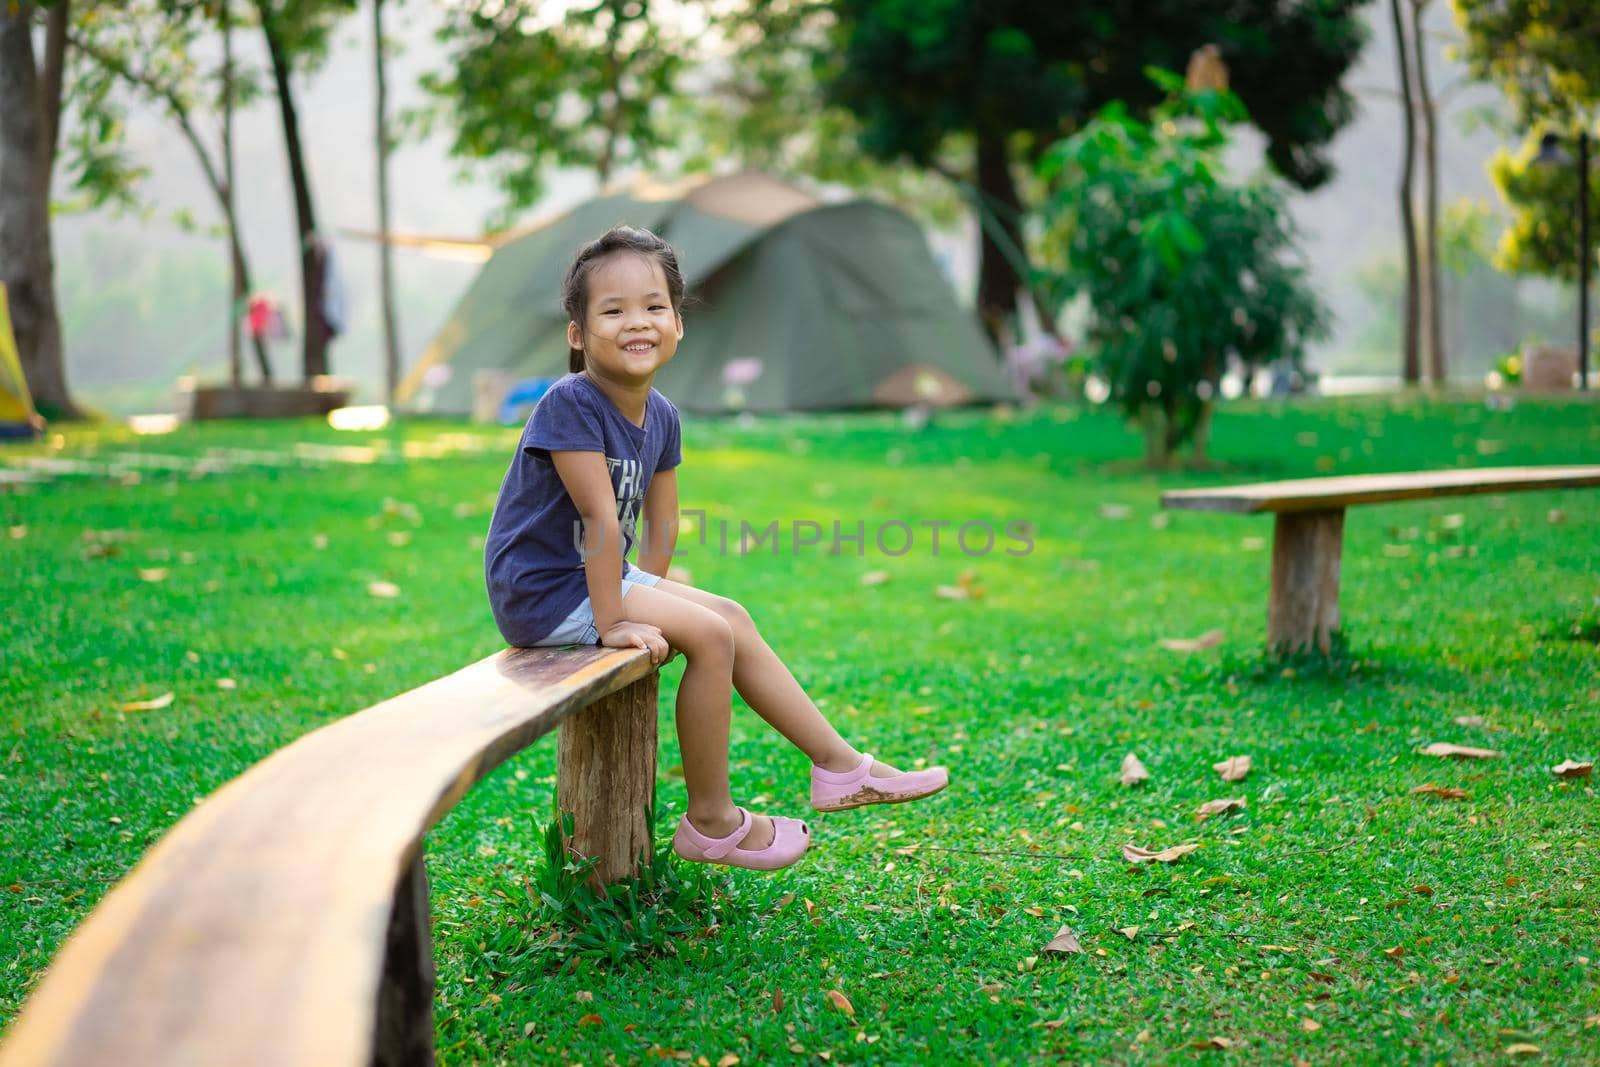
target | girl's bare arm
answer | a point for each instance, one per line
(659, 534)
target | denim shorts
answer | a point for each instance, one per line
(578, 628)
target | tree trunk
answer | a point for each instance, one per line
(391, 340)
(1411, 369)
(241, 269)
(1202, 433)
(29, 118)
(314, 351)
(1152, 419)
(999, 218)
(1432, 310)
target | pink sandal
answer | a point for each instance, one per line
(790, 839)
(842, 790)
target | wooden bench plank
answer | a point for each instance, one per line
(254, 931)
(1324, 494)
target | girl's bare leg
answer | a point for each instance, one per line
(770, 688)
(704, 707)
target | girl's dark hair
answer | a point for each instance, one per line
(575, 290)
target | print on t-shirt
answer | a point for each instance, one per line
(628, 478)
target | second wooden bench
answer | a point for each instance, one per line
(1308, 531)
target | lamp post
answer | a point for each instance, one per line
(1552, 154)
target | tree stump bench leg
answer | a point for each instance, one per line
(606, 778)
(405, 998)
(1303, 612)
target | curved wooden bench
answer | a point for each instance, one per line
(1308, 531)
(285, 919)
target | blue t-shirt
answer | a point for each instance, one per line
(531, 560)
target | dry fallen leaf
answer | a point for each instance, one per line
(17, 532)
(1445, 792)
(1310, 1026)
(1129, 932)
(590, 1020)
(1522, 1048)
(874, 578)
(1395, 953)
(777, 1000)
(952, 592)
(227, 683)
(841, 1002)
(385, 590)
(1133, 771)
(153, 704)
(728, 1060)
(1572, 769)
(1135, 854)
(1443, 748)
(1233, 769)
(1115, 511)
(1470, 720)
(1209, 639)
(152, 574)
(1065, 942)
(1217, 807)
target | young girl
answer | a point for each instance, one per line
(601, 447)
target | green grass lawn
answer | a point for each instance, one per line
(1336, 918)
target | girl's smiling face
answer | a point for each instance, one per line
(630, 328)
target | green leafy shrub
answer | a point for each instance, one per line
(1185, 272)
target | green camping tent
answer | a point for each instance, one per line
(17, 417)
(793, 305)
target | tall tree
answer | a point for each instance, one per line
(589, 89)
(1545, 56)
(241, 276)
(297, 33)
(739, 86)
(1009, 77)
(1410, 361)
(391, 341)
(758, 103)
(151, 49)
(30, 122)
(1431, 306)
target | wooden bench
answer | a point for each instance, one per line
(285, 920)
(1308, 531)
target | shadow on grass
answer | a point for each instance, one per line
(1198, 471)
(1584, 629)
(1343, 666)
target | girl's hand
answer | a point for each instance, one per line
(638, 635)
